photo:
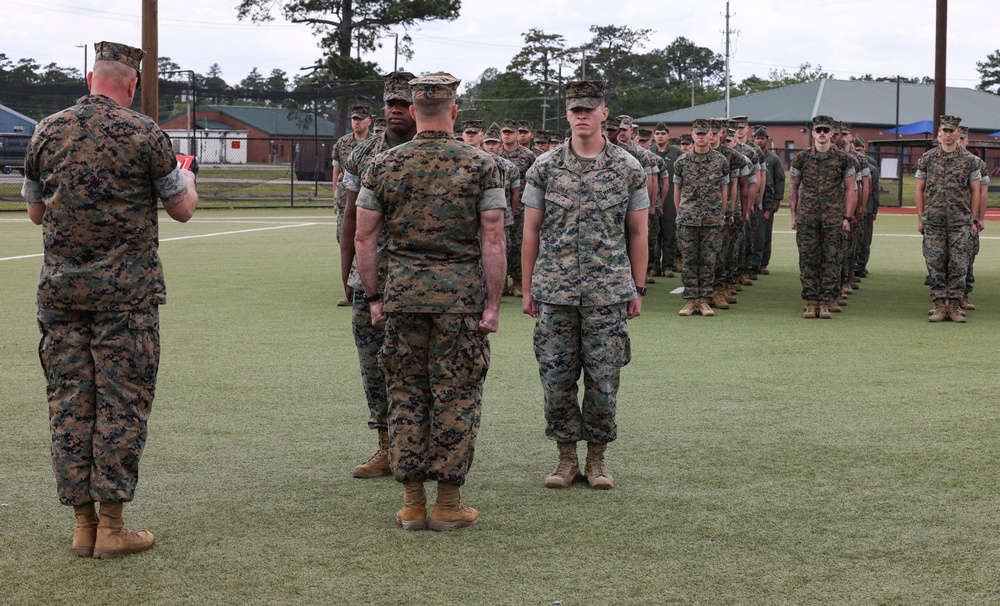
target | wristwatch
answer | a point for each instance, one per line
(371, 299)
(640, 290)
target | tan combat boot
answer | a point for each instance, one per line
(835, 306)
(689, 308)
(824, 310)
(413, 515)
(378, 465)
(939, 312)
(730, 296)
(515, 289)
(596, 471)
(954, 310)
(649, 278)
(113, 539)
(811, 307)
(704, 308)
(847, 290)
(85, 533)
(567, 469)
(745, 280)
(735, 287)
(966, 304)
(719, 300)
(449, 513)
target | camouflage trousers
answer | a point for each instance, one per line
(819, 245)
(947, 251)
(747, 260)
(368, 339)
(569, 340)
(725, 241)
(514, 247)
(732, 268)
(340, 220)
(849, 253)
(666, 249)
(435, 366)
(100, 369)
(970, 278)
(654, 236)
(699, 246)
(865, 243)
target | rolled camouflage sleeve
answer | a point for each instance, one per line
(369, 201)
(172, 185)
(533, 197)
(31, 191)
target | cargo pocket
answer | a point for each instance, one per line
(144, 329)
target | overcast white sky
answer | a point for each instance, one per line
(846, 37)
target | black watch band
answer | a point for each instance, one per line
(641, 290)
(371, 299)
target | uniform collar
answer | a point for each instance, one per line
(435, 134)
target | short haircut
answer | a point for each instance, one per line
(114, 70)
(432, 108)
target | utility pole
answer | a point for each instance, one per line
(395, 59)
(150, 62)
(940, 65)
(692, 91)
(728, 31)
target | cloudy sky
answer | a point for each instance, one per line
(845, 37)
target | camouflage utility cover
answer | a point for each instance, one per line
(99, 168)
(431, 191)
(583, 257)
(702, 177)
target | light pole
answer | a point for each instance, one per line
(84, 47)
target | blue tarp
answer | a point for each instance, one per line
(923, 127)
(996, 134)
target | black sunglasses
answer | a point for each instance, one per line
(821, 129)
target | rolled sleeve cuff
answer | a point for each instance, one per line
(352, 182)
(493, 199)
(920, 175)
(32, 191)
(975, 176)
(172, 185)
(368, 200)
(638, 200)
(533, 197)
(849, 172)
(795, 173)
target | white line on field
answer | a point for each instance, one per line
(221, 233)
(240, 231)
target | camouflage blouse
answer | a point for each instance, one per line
(430, 192)
(821, 176)
(948, 177)
(583, 255)
(702, 177)
(99, 167)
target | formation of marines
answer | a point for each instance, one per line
(707, 202)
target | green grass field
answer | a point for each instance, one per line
(762, 458)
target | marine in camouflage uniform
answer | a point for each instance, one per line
(822, 204)
(651, 164)
(584, 263)
(739, 172)
(862, 190)
(360, 121)
(701, 181)
(93, 173)
(947, 198)
(867, 223)
(984, 191)
(368, 338)
(665, 251)
(755, 182)
(523, 159)
(441, 202)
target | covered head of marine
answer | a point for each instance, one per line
(96, 163)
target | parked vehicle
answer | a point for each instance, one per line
(12, 150)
